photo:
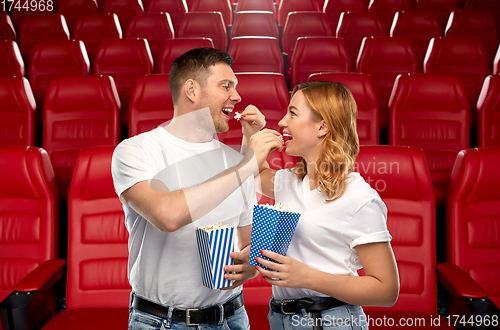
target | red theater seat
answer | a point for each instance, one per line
(257, 293)
(11, 61)
(204, 24)
(492, 6)
(92, 29)
(29, 239)
(384, 58)
(429, 111)
(17, 110)
(176, 9)
(401, 177)
(488, 112)
(256, 5)
(222, 6)
(442, 9)
(19, 14)
(156, 28)
(484, 28)
(39, 28)
(333, 9)
(496, 62)
(72, 9)
(254, 23)
(361, 87)
(80, 112)
(387, 9)
(151, 104)
(354, 26)
(303, 24)
(53, 59)
(176, 47)
(418, 26)
(256, 54)
(124, 9)
(462, 57)
(124, 60)
(289, 6)
(318, 54)
(7, 30)
(97, 289)
(472, 252)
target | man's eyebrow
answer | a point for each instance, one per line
(229, 81)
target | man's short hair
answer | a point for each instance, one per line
(194, 64)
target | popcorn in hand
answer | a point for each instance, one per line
(237, 116)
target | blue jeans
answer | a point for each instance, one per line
(346, 317)
(143, 321)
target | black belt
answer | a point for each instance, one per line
(191, 316)
(294, 306)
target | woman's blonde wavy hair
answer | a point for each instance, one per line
(333, 103)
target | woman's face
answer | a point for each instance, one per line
(300, 130)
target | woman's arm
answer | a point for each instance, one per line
(380, 286)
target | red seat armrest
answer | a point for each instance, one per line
(44, 276)
(458, 282)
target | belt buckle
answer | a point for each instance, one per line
(284, 303)
(188, 316)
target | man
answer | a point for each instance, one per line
(176, 177)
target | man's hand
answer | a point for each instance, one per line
(241, 270)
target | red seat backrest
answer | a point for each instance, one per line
(333, 9)
(97, 250)
(53, 59)
(94, 28)
(317, 54)
(204, 24)
(442, 9)
(80, 112)
(472, 215)
(223, 6)
(11, 61)
(401, 177)
(37, 28)
(124, 9)
(384, 58)
(429, 111)
(354, 26)
(17, 110)
(254, 23)
(387, 9)
(418, 26)
(7, 30)
(288, 6)
(176, 9)
(485, 29)
(255, 5)
(20, 13)
(29, 213)
(151, 104)
(488, 110)
(256, 54)
(156, 28)
(462, 57)
(496, 62)
(178, 46)
(72, 9)
(361, 87)
(125, 60)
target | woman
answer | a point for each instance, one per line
(342, 227)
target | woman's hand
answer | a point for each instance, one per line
(263, 142)
(252, 121)
(287, 271)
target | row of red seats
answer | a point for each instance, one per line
(97, 290)
(427, 111)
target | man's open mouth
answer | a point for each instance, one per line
(227, 111)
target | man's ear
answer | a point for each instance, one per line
(191, 90)
(323, 129)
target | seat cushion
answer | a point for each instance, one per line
(90, 318)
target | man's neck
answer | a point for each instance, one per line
(195, 127)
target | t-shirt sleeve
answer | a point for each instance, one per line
(128, 166)
(368, 225)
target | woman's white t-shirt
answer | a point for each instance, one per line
(327, 233)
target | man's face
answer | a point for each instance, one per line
(220, 95)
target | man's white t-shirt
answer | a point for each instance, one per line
(163, 266)
(327, 233)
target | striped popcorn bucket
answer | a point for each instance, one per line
(215, 243)
(272, 230)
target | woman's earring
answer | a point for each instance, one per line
(318, 134)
